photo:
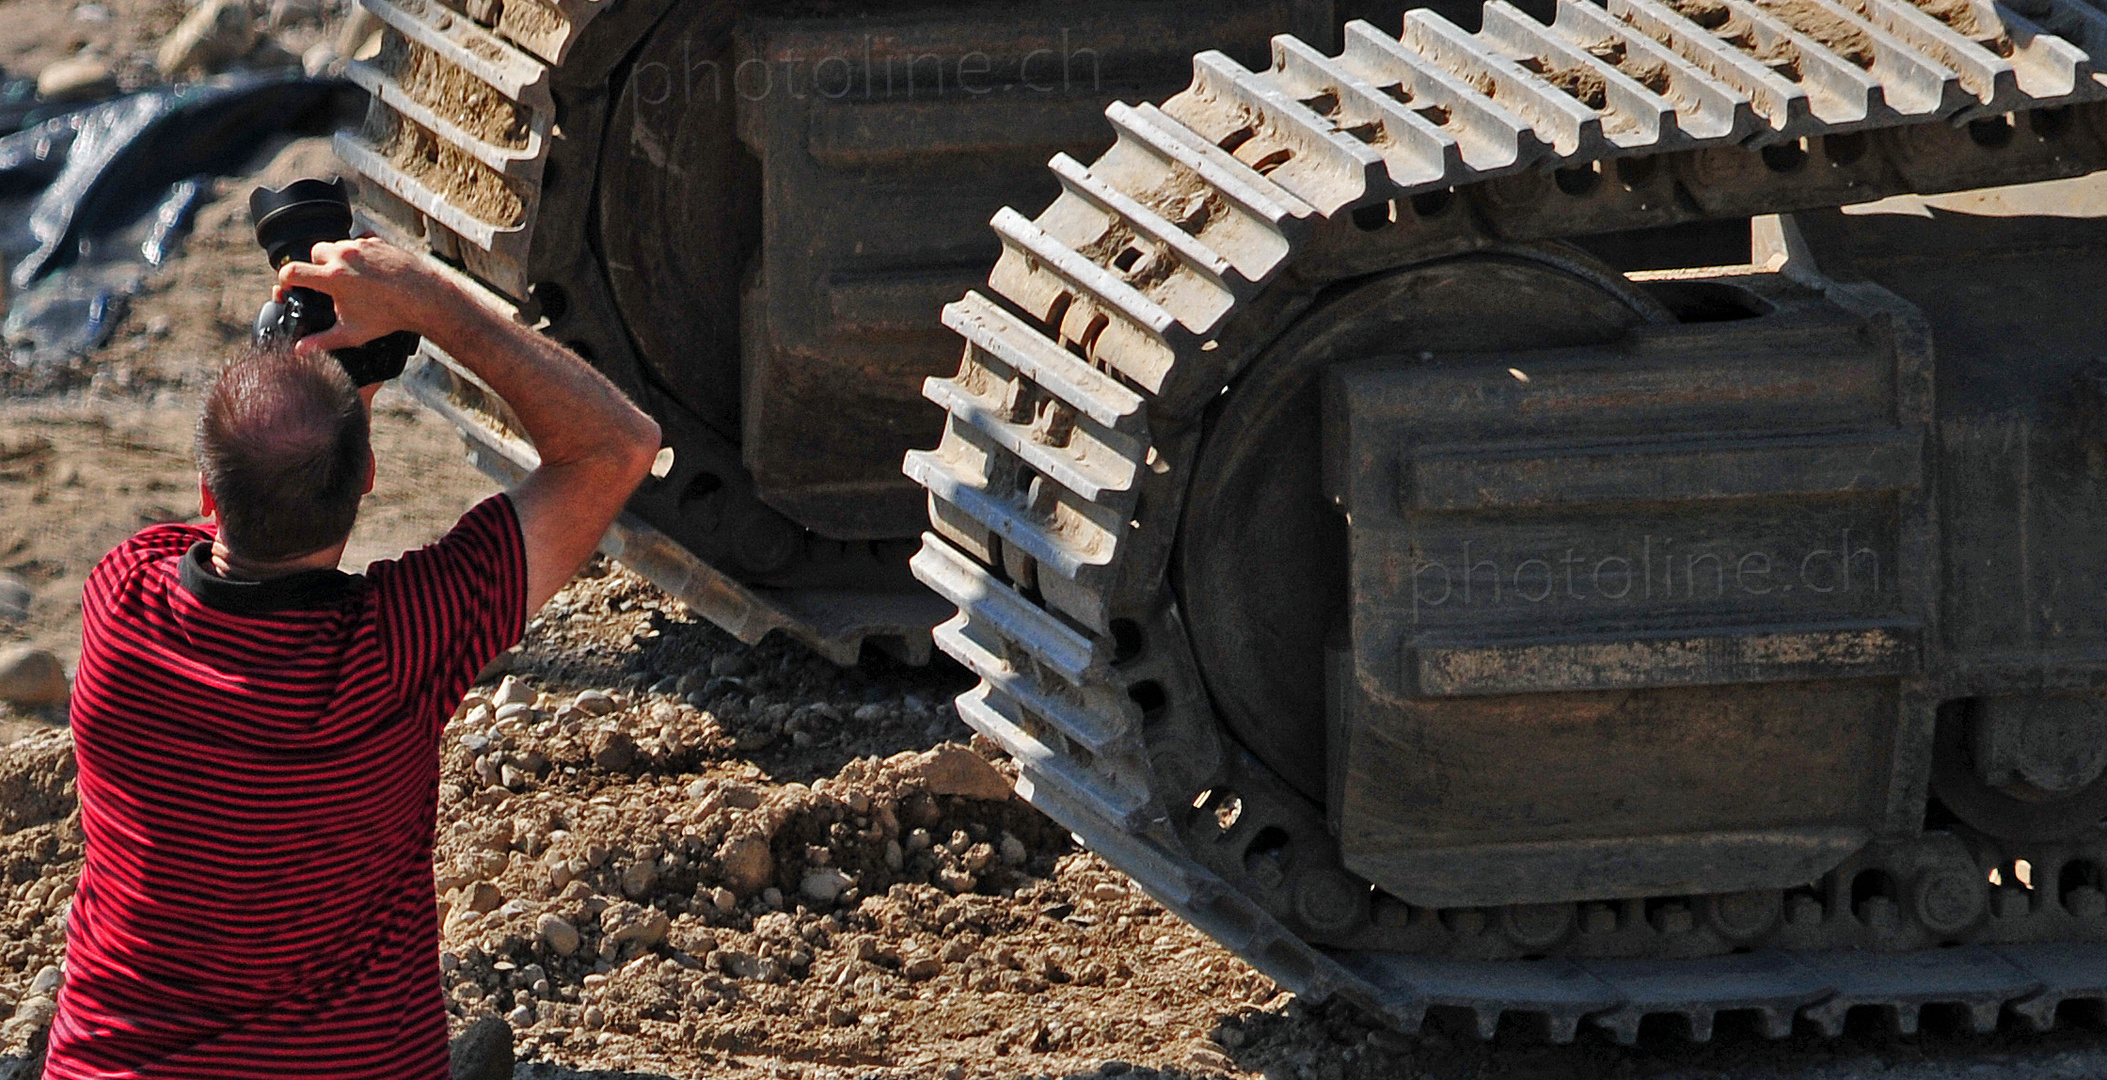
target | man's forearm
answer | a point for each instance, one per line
(570, 411)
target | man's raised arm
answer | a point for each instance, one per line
(595, 445)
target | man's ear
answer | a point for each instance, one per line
(207, 508)
(372, 469)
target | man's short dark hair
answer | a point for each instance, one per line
(283, 444)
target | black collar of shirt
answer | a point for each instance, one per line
(308, 590)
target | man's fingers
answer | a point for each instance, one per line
(336, 337)
(295, 275)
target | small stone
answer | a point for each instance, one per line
(511, 777)
(512, 692)
(729, 666)
(612, 750)
(955, 880)
(558, 934)
(594, 1017)
(922, 968)
(321, 61)
(952, 769)
(483, 897)
(1013, 853)
(1211, 1059)
(754, 740)
(595, 703)
(47, 981)
(772, 898)
(1106, 892)
(748, 864)
(625, 922)
(31, 677)
(870, 714)
(1114, 1067)
(825, 884)
(214, 34)
(724, 899)
(520, 1017)
(639, 879)
(79, 79)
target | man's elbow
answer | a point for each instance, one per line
(640, 449)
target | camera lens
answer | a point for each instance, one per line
(293, 219)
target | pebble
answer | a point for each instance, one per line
(1013, 852)
(79, 79)
(952, 769)
(922, 968)
(321, 60)
(612, 750)
(825, 884)
(516, 710)
(520, 1017)
(730, 665)
(724, 899)
(870, 714)
(46, 982)
(512, 692)
(15, 594)
(511, 777)
(31, 676)
(595, 703)
(748, 864)
(213, 35)
(639, 879)
(1107, 892)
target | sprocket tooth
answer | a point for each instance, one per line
(1114, 323)
(1633, 118)
(1162, 261)
(1771, 982)
(1418, 155)
(1491, 140)
(1783, 104)
(1253, 222)
(2068, 971)
(1970, 976)
(1571, 129)
(1279, 137)
(1912, 84)
(1990, 78)
(474, 50)
(1707, 109)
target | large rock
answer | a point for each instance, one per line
(215, 33)
(31, 677)
(952, 769)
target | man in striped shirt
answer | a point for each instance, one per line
(258, 733)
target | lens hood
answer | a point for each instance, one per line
(291, 220)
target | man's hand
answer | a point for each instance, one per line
(377, 289)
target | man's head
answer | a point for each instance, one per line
(284, 453)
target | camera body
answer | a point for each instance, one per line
(290, 221)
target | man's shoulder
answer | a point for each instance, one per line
(481, 537)
(149, 545)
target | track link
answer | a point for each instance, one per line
(1173, 260)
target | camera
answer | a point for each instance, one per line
(290, 221)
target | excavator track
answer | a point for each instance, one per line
(1170, 264)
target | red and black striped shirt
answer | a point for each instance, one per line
(259, 774)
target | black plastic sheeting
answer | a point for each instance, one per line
(91, 199)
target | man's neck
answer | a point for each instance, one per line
(234, 567)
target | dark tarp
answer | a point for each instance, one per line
(90, 199)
